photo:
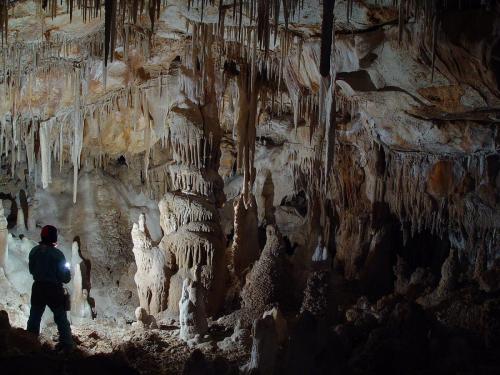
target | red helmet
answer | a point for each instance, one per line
(49, 235)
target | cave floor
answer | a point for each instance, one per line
(104, 347)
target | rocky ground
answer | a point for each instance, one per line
(395, 334)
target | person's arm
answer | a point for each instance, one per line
(63, 272)
(30, 261)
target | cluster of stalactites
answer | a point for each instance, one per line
(264, 15)
(18, 131)
(183, 210)
(408, 181)
(193, 180)
(116, 12)
(61, 53)
(420, 189)
(191, 250)
(120, 26)
(306, 168)
(429, 14)
(191, 146)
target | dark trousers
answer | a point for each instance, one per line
(52, 295)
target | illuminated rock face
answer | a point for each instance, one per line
(4, 233)
(152, 276)
(192, 235)
(144, 320)
(192, 317)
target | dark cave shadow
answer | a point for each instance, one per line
(23, 201)
(62, 364)
(12, 217)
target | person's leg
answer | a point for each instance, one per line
(37, 308)
(56, 302)
(61, 319)
(35, 318)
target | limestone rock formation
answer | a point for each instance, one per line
(188, 214)
(264, 347)
(421, 281)
(240, 339)
(321, 252)
(20, 223)
(317, 294)
(80, 307)
(373, 124)
(3, 237)
(144, 320)
(152, 276)
(265, 282)
(76, 259)
(192, 316)
(280, 324)
(448, 283)
(245, 247)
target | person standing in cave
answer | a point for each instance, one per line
(50, 271)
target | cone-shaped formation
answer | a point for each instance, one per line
(265, 283)
(245, 247)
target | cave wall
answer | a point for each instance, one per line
(415, 169)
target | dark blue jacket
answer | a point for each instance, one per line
(47, 264)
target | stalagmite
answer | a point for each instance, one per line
(31, 214)
(3, 237)
(265, 284)
(316, 293)
(78, 132)
(188, 216)
(45, 152)
(80, 307)
(152, 276)
(20, 223)
(264, 347)
(76, 259)
(318, 252)
(144, 320)
(448, 283)
(192, 317)
(245, 248)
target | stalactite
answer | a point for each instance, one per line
(327, 106)
(434, 42)
(44, 131)
(147, 136)
(30, 149)
(4, 20)
(78, 132)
